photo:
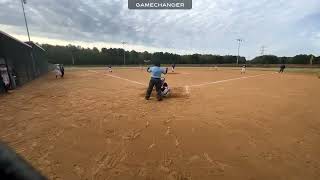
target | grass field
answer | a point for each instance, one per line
(216, 125)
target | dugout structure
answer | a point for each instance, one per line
(20, 61)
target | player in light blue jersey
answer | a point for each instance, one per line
(156, 72)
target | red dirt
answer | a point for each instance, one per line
(92, 126)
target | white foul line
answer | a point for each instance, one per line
(135, 82)
(187, 88)
(226, 80)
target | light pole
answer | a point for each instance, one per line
(72, 58)
(239, 43)
(263, 48)
(25, 19)
(124, 53)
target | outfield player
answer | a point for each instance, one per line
(282, 67)
(155, 80)
(173, 67)
(243, 69)
(110, 68)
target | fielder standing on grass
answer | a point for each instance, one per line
(156, 72)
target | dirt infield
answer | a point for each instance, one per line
(217, 125)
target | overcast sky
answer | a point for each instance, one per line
(285, 27)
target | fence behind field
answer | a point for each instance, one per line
(20, 61)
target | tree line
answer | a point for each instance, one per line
(298, 59)
(77, 55)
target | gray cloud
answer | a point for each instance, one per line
(211, 26)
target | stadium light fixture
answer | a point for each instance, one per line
(239, 43)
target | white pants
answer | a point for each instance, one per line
(243, 70)
(58, 72)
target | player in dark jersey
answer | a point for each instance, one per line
(173, 66)
(282, 67)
